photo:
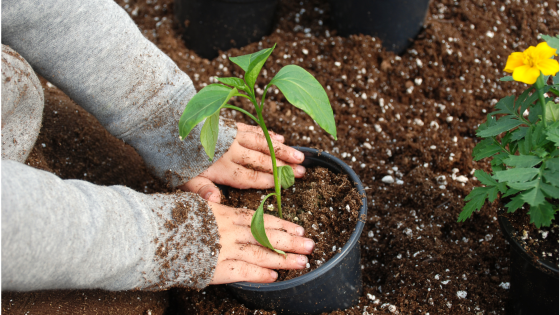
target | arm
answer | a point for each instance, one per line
(95, 53)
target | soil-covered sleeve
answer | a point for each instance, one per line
(71, 234)
(93, 51)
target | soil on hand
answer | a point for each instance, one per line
(326, 204)
(406, 124)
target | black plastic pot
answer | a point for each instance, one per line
(337, 284)
(395, 22)
(212, 25)
(533, 285)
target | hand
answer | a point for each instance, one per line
(246, 164)
(243, 259)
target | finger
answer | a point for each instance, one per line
(264, 257)
(262, 162)
(256, 129)
(229, 271)
(238, 176)
(257, 142)
(204, 188)
(278, 239)
(243, 217)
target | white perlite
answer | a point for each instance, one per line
(388, 179)
(504, 285)
(371, 297)
(462, 294)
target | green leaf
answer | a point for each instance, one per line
(515, 203)
(476, 200)
(503, 124)
(551, 41)
(551, 177)
(552, 133)
(541, 215)
(552, 165)
(485, 148)
(485, 178)
(533, 197)
(524, 185)
(549, 190)
(510, 192)
(286, 175)
(209, 134)
(506, 106)
(252, 65)
(233, 81)
(303, 91)
(519, 133)
(205, 103)
(506, 78)
(522, 160)
(551, 110)
(258, 230)
(516, 175)
(497, 163)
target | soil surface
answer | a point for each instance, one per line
(406, 124)
(326, 205)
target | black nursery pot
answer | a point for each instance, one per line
(533, 285)
(212, 25)
(337, 284)
(395, 22)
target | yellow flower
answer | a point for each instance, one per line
(528, 65)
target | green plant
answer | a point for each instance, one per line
(299, 87)
(524, 150)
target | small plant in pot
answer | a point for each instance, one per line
(341, 275)
(521, 138)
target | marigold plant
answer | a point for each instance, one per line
(521, 138)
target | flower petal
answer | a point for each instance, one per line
(548, 66)
(526, 74)
(543, 51)
(514, 60)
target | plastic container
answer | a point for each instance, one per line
(337, 284)
(212, 25)
(533, 285)
(395, 22)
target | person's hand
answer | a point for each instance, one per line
(243, 259)
(246, 164)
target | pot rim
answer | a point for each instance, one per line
(324, 268)
(507, 230)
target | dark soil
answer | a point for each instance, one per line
(411, 117)
(325, 204)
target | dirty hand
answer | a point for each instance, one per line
(246, 164)
(243, 259)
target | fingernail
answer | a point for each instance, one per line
(279, 137)
(300, 170)
(302, 260)
(273, 274)
(309, 245)
(300, 231)
(207, 196)
(298, 156)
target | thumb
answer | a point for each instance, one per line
(204, 188)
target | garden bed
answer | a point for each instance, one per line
(406, 125)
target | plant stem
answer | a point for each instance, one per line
(539, 86)
(274, 168)
(243, 111)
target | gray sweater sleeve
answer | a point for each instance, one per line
(61, 234)
(95, 53)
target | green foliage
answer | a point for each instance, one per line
(258, 229)
(298, 86)
(524, 153)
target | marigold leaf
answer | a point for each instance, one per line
(516, 175)
(476, 200)
(522, 160)
(506, 78)
(549, 190)
(502, 125)
(515, 203)
(551, 177)
(552, 41)
(524, 185)
(510, 192)
(506, 106)
(485, 178)
(485, 148)
(519, 133)
(552, 133)
(534, 196)
(542, 215)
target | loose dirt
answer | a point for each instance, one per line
(411, 117)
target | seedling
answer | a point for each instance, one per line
(299, 87)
